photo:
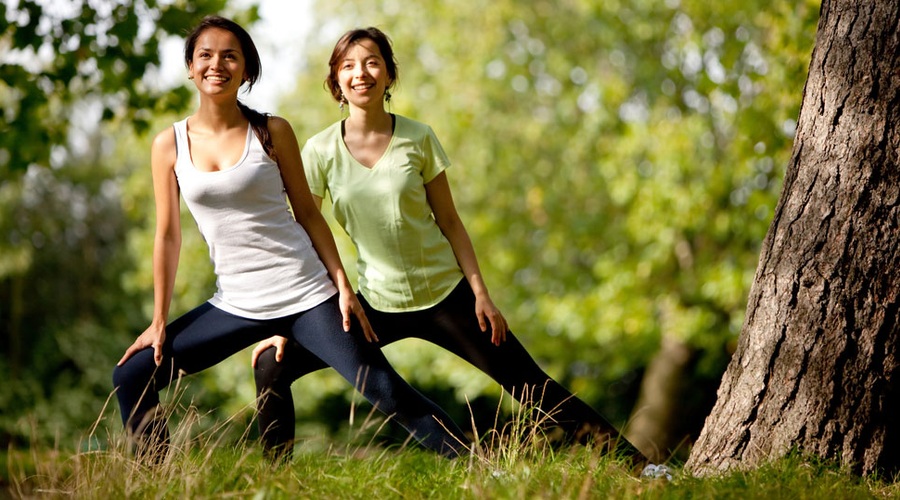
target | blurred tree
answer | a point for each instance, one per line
(815, 365)
(616, 164)
(78, 82)
(57, 55)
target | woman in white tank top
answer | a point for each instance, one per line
(276, 272)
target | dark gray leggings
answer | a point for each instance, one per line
(207, 335)
(452, 325)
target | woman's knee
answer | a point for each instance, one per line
(136, 371)
(268, 372)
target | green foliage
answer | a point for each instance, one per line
(56, 56)
(69, 225)
(76, 89)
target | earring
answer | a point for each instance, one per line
(387, 96)
(342, 101)
(190, 77)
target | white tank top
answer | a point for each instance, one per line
(265, 264)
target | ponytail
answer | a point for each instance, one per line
(260, 123)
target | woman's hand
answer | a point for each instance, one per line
(487, 312)
(276, 341)
(350, 305)
(153, 336)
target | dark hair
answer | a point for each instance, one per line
(343, 45)
(252, 66)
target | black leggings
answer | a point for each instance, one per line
(208, 335)
(452, 325)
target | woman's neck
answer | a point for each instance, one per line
(217, 116)
(363, 120)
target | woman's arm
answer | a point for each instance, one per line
(166, 244)
(447, 218)
(306, 212)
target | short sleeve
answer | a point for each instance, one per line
(436, 160)
(313, 169)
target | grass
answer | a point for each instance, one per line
(368, 473)
(205, 463)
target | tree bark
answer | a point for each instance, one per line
(816, 369)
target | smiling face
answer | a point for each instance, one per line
(217, 64)
(362, 74)
(363, 40)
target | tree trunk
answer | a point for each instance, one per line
(816, 369)
(656, 415)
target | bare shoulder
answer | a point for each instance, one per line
(279, 126)
(283, 138)
(165, 138)
(163, 148)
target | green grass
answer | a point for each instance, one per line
(373, 472)
(221, 461)
(199, 469)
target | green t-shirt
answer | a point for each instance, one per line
(404, 261)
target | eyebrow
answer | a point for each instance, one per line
(370, 56)
(208, 49)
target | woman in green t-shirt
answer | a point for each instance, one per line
(418, 274)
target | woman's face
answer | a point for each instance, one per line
(217, 66)
(362, 75)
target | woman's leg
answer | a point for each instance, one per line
(453, 326)
(364, 366)
(274, 401)
(201, 338)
